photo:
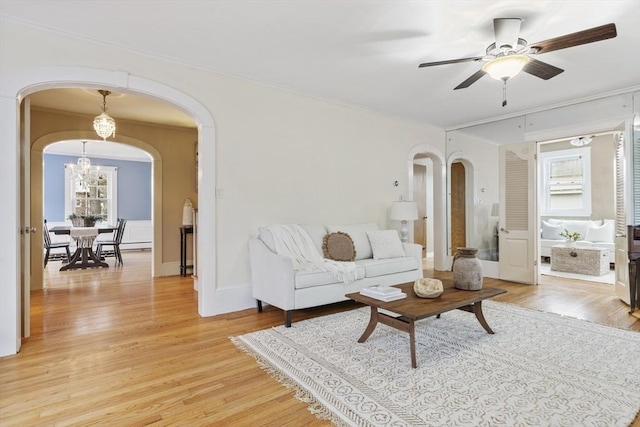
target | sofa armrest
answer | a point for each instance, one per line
(414, 250)
(272, 276)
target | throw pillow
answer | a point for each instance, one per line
(338, 247)
(551, 231)
(386, 244)
(603, 233)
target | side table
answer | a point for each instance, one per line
(184, 231)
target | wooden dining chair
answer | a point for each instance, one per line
(115, 243)
(48, 245)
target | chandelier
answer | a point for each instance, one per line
(104, 125)
(84, 163)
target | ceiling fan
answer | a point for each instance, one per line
(510, 54)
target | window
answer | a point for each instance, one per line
(93, 192)
(566, 182)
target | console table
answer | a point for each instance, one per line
(592, 261)
(184, 231)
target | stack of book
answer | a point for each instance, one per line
(383, 293)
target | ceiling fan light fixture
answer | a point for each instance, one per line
(103, 124)
(581, 141)
(505, 67)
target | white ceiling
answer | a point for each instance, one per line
(364, 53)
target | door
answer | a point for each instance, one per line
(26, 230)
(420, 197)
(458, 207)
(517, 202)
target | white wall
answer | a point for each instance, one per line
(280, 157)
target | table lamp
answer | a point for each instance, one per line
(404, 211)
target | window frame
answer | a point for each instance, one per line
(546, 158)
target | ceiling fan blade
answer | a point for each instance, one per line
(591, 35)
(471, 80)
(507, 31)
(451, 61)
(541, 69)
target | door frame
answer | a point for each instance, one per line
(597, 126)
(14, 88)
(439, 200)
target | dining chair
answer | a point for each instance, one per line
(49, 245)
(117, 239)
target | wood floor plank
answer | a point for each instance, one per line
(117, 347)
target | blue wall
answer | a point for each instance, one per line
(134, 187)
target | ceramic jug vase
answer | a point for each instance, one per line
(467, 270)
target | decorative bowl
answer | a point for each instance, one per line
(428, 288)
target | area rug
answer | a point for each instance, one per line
(539, 369)
(609, 278)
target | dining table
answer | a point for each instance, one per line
(83, 257)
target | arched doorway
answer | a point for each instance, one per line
(421, 153)
(37, 191)
(13, 255)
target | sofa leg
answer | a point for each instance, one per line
(259, 303)
(287, 318)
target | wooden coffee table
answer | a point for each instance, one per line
(413, 308)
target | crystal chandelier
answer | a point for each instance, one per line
(84, 163)
(104, 125)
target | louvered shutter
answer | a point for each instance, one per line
(516, 192)
(620, 211)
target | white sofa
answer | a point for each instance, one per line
(276, 282)
(596, 233)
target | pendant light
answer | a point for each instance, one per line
(103, 124)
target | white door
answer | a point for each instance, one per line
(517, 202)
(621, 259)
(27, 229)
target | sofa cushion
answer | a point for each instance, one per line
(602, 233)
(551, 231)
(358, 233)
(338, 247)
(317, 233)
(382, 267)
(310, 278)
(385, 244)
(267, 238)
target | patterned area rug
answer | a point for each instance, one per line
(538, 369)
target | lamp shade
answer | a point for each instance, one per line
(505, 67)
(404, 211)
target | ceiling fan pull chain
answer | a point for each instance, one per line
(504, 93)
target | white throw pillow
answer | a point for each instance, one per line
(551, 232)
(603, 233)
(386, 244)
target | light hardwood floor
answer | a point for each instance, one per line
(116, 347)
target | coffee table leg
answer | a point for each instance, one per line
(477, 310)
(412, 344)
(373, 322)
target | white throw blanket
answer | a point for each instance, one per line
(293, 242)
